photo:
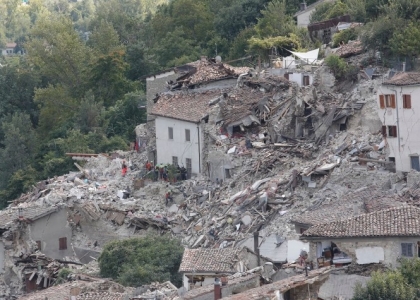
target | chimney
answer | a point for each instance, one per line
(217, 289)
(403, 66)
(303, 6)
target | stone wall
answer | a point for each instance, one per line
(307, 291)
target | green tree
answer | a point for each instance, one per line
(126, 114)
(139, 261)
(59, 54)
(104, 38)
(19, 145)
(337, 65)
(410, 270)
(389, 285)
(20, 182)
(107, 77)
(275, 21)
(264, 46)
(232, 19)
(344, 36)
(326, 11)
(406, 42)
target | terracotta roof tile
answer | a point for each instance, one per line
(403, 78)
(189, 106)
(207, 71)
(396, 221)
(209, 260)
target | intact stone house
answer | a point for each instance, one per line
(378, 237)
(178, 103)
(398, 107)
(200, 267)
(179, 122)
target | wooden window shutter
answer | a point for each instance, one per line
(381, 101)
(384, 130)
(393, 131)
(406, 101)
(393, 101)
(62, 243)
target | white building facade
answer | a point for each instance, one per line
(304, 15)
(179, 142)
(399, 103)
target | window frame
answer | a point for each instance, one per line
(406, 101)
(175, 160)
(392, 131)
(187, 136)
(188, 166)
(62, 243)
(170, 133)
(387, 101)
(408, 247)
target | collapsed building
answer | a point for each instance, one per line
(266, 158)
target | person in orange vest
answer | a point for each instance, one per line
(124, 169)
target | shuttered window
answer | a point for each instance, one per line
(389, 101)
(62, 243)
(406, 101)
(407, 249)
(384, 131)
(187, 135)
(392, 131)
(381, 101)
(38, 243)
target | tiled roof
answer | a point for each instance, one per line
(190, 106)
(396, 221)
(209, 260)
(10, 45)
(31, 213)
(100, 296)
(206, 71)
(403, 78)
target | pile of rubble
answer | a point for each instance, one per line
(286, 150)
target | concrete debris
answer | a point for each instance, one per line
(272, 150)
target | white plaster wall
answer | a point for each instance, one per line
(303, 18)
(293, 249)
(298, 78)
(370, 255)
(408, 122)
(167, 148)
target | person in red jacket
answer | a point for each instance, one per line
(124, 169)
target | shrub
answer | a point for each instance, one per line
(139, 261)
(344, 36)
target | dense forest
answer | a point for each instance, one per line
(78, 87)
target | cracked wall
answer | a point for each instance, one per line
(407, 142)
